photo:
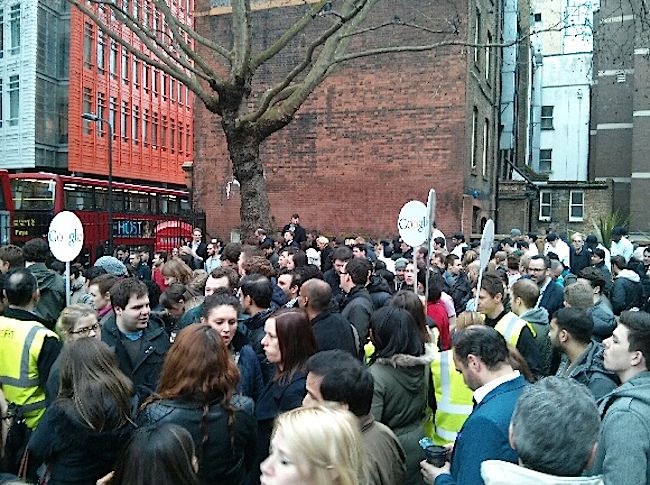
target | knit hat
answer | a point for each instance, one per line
(401, 263)
(112, 265)
(515, 232)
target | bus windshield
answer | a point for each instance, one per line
(33, 194)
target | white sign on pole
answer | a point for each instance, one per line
(413, 224)
(65, 236)
(487, 240)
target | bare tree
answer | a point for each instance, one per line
(223, 79)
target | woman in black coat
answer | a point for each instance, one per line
(196, 392)
(82, 433)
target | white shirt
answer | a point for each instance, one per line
(485, 389)
(458, 250)
(561, 249)
(623, 248)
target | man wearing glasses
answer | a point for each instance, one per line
(551, 295)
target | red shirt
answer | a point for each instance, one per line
(438, 313)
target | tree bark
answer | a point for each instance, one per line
(244, 149)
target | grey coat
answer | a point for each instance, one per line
(589, 370)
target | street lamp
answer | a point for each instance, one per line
(96, 119)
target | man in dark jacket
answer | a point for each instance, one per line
(627, 291)
(582, 358)
(598, 262)
(356, 305)
(50, 284)
(379, 291)
(579, 254)
(139, 341)
(601, 310)
(141, 270)
(340, 257)
(256, 292)
(299, 233)
(331, 330)
(457, 284)
(552, 295)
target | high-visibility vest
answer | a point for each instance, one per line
(511, 326)
(20, 345)
(453, 399)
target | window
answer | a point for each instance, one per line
(125, 121)
(154, 80)
(488, 56)
(146, 14)
(88, 45)
(112, 62)
(101, 113)
(477, 35)
(163, 133)
(135, 124)
(188, 140)
(145, 127)
(547, 118)
(1, 105)
(14, 28)
(136, 9)
(146, 76)
(2, 33)
(87, 108)
(136, 72)
(125, 66)
(172, 89)
(538, 17)
(101, 65)
(474, 136)
(180, 138)
(486, 145)
(180, 92)
(545, 205)
(154, 130)
(545, 160)
(576, 206)
(165, 85)
(172, 135)
(112, 114)
(620, 77)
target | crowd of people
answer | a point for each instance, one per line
(305, 360)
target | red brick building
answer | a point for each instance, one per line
(377, 133)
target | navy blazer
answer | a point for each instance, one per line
(484, 436)
(552, 298)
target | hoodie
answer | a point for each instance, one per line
(538, 318)
(624, 442)
(379, 291)
(627, 291)
(589, 369)
(52, 288)
(399, 401)
(496, 472)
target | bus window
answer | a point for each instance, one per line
(168, 204)
(33, 194)
(139, 202)
(100, 198)
(186, 207)
(78, 198)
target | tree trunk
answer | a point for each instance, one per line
(244, 149)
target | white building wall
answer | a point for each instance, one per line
(17, 143)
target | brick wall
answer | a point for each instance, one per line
(375, 134)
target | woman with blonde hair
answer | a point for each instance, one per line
(176, 271)
(315, 446)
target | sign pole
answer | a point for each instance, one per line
(415, 272)
(431, 211)
(66, 237)
(67, 283)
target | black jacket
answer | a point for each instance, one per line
(229, 450)
(146, 371)
(552, 298)
(334, 280)
(299, 233)
(73, 452)
(379, 291)
(253, 329)
(356, 308)
(326, 259)
(460, 291)
(580, 261)
(332, 331)
(627, 291)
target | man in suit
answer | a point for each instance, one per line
(481, 355)
(198, 249)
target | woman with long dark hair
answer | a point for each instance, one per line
(83, 431)
(399, 368)
(196, 392)
(288, 342)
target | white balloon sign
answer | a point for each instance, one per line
(413, 223)
(65, 236)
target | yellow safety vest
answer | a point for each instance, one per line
(511, 326)
(20, 345)
(453, 399)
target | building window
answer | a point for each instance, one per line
(488, 57)
(163, 133)
(146, 76)
(576, 206)
(125, 121)
(2, 33)
(545, 160)
(14, 27)
(112, 62)
(136, 9)
(165, 85)
(172, 89)
(87, 108)
(1, 105)
(154, 80)
(486, 145)
(180, 138)
(538, 17)
(112, 115)
(88, 45)
(125, 66)
(154, 130)
(547, 117)
(188, 140)
(136, 72)
(474, 136)
(135, 124)
(101, 112)
(172, 134)
(101, 65)
(545, 205)
(180, 92)
(477, 35)
(620, 77)
(145, 127)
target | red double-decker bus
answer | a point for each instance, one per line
(155, 217)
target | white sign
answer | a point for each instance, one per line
(413, 223)
(487, 240)
(65, 236)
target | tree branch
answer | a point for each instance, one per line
(241, 33)
(288, 35)
(400, 24)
